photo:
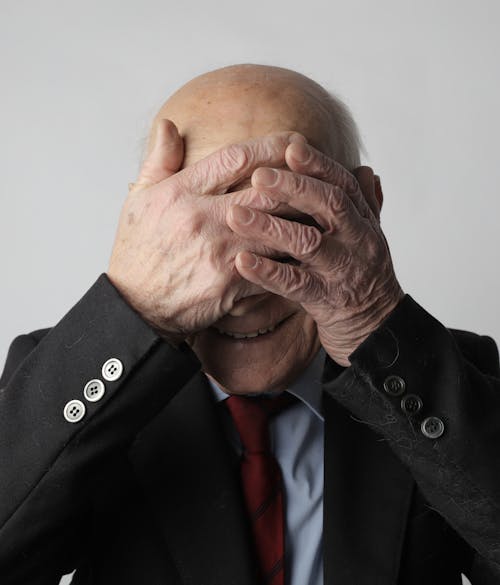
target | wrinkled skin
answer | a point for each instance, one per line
(173, 257)
(345, 280)
(181, 255)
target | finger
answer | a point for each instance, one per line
(164, 157)
(327, 204)
(286, 280)
(306, 160)
(249, 197)
(218, 171)
(255, 199)
(367, 183)
(216, 210)
(302, 242)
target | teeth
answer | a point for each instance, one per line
(240, 335)
(247, 335)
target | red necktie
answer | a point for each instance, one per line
(261, 480)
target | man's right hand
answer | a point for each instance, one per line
(173, 256)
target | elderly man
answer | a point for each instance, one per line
(250, 332)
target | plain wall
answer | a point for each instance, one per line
(81, 81)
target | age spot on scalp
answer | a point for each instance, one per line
(131, 218)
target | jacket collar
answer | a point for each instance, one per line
(189, 473)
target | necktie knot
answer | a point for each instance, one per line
(251, 416)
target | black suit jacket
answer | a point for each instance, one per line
(145, 488)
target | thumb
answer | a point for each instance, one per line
(164, 158)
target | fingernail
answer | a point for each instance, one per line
(266, 177)
(243, 215)
(301, 153)
(248, 260)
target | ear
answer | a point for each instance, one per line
(367, 182)
(378, 191)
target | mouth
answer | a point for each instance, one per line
(252, 335)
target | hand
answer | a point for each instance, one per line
(173, 256)
(345, 279)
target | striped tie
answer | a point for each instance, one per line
(261, 480)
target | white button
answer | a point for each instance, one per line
(94, 390)
(112, 369)
(74, 411)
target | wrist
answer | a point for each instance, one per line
(352, 331)
(376, 315)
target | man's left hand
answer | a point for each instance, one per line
(343, 275)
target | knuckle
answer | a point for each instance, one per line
(338, 200)
(274, 272)
(262, 201)
(235, 158)
(191, 178)
(288, 278)
(298, 282)
(283, 276)
(326, 165)
(310, 240)
(276, 144)
(272, 225)
(322, 166)
(297, 183)
(189, 223)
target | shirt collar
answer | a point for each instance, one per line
(307, 388)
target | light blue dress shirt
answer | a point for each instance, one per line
(297, 443)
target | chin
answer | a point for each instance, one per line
(264, 363)
(244, 382)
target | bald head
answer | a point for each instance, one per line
(239, 102)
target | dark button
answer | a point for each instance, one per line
(411, 404)
(432, 427)
(394, 385)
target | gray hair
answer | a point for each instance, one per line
(346, 143)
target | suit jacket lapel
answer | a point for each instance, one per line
(188, 470)
(190, 474)
(366, 500)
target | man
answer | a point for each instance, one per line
(249, 261)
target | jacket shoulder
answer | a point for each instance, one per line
(19, 349)
(480, 350)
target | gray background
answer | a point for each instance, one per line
(81, 81)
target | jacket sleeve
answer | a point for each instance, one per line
(49, 467)
(435, 397)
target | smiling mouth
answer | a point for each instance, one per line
(252, 334)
